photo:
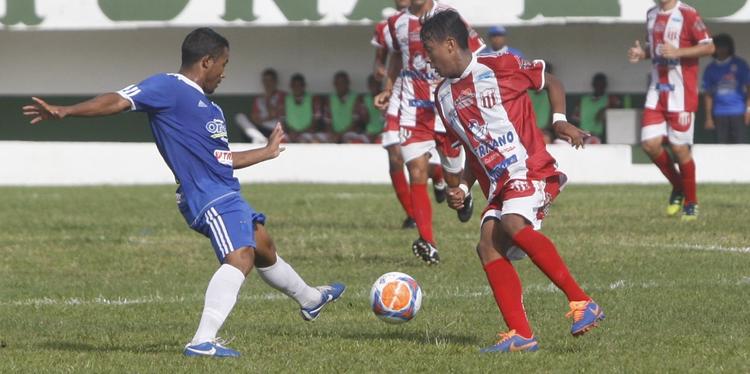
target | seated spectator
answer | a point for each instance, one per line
(726, 82)
(341, 119)
(372, 117)
(497, 36)
(300, 121)
(590, 113)
(266, 109)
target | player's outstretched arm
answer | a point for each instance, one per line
(103, 105)
(251, 157)
(560, 124)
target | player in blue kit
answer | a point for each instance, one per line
(191, 135)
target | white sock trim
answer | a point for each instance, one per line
(282, 277)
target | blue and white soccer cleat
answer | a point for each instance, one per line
(586, 315)
(328, 294)
(213, 348)
(512, 342)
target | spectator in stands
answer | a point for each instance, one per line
(372, 117)
(266, 109)
(726, 83)
(498, 38)
(341, 117)
(590, 113)
(300, 122)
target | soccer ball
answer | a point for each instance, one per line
(395, 297)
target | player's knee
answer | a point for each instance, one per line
(682, 153)
(513, 223)
(395, 161)
(651, 147)
(418, 171)
(485, 249)
(242, 258)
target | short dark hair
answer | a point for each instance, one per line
(443, 25)
(726, 41)
(341, 74)
(270, 72)
(202, 42)
(297, 77)
(599, 77)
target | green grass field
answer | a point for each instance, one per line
(110, 279)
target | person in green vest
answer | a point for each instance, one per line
(372, 116)
(299, 113)
(591, 110)
(342, 120)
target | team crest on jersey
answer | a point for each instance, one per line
(489, 98)
(414, 37)
(217, 129)
(465, 99)
(224, 157)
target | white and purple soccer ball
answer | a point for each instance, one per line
(396, 297)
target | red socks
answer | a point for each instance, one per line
(420, 201)
(401, 186)
(437, 174)
(506, 286)
(543, 253)
(666, 165)
(688, 181)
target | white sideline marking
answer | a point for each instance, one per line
(437, 293)
(700, 247)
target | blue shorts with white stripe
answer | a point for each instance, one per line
(230, 224)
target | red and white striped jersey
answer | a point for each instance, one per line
(674, 82)
(382, 36)
(419, 80)
(489, 111)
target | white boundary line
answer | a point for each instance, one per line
(438, 293)
(698, 247)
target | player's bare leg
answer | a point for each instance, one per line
(543, 253)
(661, 158)
(423, 247)
(684, 157)
(281, 276)
(400, 184)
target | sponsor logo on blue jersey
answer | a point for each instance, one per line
(217, 129)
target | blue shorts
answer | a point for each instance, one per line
(230, 224)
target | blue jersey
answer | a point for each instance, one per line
(726, 82)
(191, 134)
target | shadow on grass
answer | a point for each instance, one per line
(161, 347)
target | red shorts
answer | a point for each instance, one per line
(676, 127)
(528, 198)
